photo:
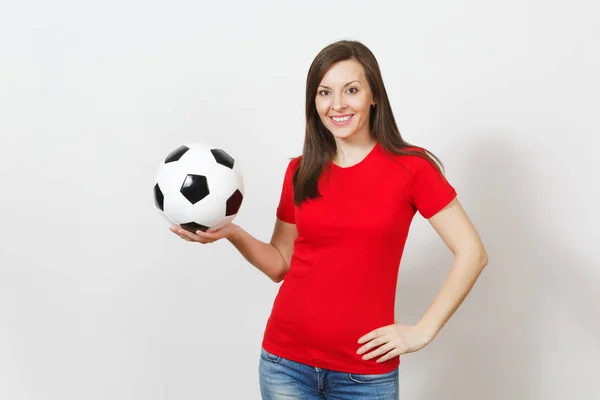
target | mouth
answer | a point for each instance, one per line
(341, 120)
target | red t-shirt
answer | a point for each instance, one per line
(342, 279)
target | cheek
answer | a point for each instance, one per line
(359, 105)
(322, 107)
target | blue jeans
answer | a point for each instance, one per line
(281, 378)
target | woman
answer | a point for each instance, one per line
(343, 218)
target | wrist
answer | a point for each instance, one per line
(428, 331)
(233, 232)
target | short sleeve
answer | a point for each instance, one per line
(429, 189)
(286, 209)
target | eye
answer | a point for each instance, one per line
(354, 90)
(323, 92)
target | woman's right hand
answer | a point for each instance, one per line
(205, 237)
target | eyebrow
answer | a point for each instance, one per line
(343, 86)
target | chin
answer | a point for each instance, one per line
(341, 133)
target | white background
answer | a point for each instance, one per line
(98, 300)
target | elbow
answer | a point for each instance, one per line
(479, 254)
(277, 278)
(477, 258)
(483, 259)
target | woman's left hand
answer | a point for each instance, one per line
(392, 341)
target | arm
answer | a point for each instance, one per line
(284, 236)
(470, 257)
(273, 259)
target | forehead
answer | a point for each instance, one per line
(343, 72)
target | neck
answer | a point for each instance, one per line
(350, 152)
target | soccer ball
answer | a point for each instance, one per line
(199, 187)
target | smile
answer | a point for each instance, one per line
(341, 120)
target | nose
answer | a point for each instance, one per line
(338, 103)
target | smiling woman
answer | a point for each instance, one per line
(343, 218)
(347, 112)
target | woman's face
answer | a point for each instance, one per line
(343, 100)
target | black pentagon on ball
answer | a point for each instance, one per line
(176, 154)
(194, 188)
(159, 198)
(223, 158)
(233, 203)
(193, 227)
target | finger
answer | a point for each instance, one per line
(209, 236)
(365, 338)
(373, 343)
(176, 232)
(377, 352)
(189, 235)
(369, 336)
(182, 237)
(389, 355)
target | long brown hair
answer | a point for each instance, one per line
(319, 144)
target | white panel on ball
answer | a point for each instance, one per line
(221, 224)
(226, 182)
(237, 170)
(198, 161)
(170, 177)
(169, 220)
(178, 208)
(209, 211)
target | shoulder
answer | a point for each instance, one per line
(417, 158)
(292, 167)
(414, 161)
(294, 163)
(408, 156)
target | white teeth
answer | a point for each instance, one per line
(343, 119)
